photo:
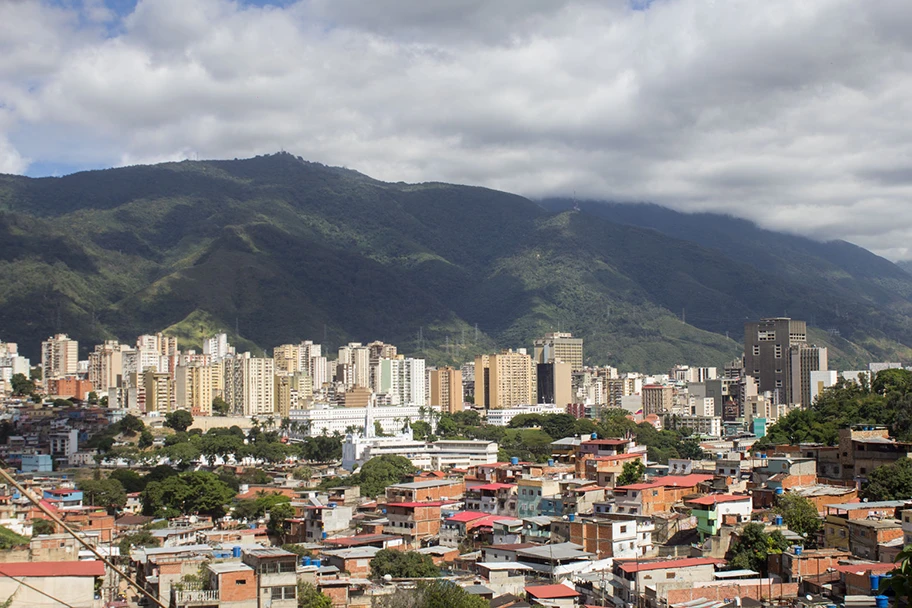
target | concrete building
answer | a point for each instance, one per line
(562, 347)
(249, 384)
(195, 387)
(106, 365)
(287, 358)
(502, 417)
(820, 380)
(159, 392)
(403, 380)
(446, 389)
(657, 399)
(70, 583)
(803, 361)
(766, 353)
(504, 380)
(59, 356)
(277, 583)
(554, 383)
(618, 388)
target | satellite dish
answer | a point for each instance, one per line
(387, 577)
(809, 597)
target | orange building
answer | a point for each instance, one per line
(658, 495)
(413, 521)
(70, 386)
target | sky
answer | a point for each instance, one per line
(795, 114)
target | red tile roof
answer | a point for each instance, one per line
(617, 457)
(358, 540)
(682, 480)
(36, 569)
(862, 568)
(634, 566)
(714, 499)
(488, 521)
(550, 592)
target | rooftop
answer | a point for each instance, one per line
(559, 551)
(36, 569)
(689, 562)
(360, 539)
(882, 504)
(419, 485)
(550, 592)
(467, 516)
(224, 567)
(269, 553)
(714, 499)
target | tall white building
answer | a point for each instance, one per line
(217, 348)
(404, 381)
(106, 365)
(327, 419)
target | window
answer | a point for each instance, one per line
(286, 592)
(669, 575)
(240, 582)
(863, 470)
(623, 529)
(655, 492)
(756, 351)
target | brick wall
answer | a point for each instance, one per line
(727, 591)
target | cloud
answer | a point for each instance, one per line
(793, 114)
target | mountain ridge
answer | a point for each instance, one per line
(285, 250)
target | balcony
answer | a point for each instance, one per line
(195, 597)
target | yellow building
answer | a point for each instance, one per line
(447, 389)
(504, 380)
(193, 388)
(159, 391)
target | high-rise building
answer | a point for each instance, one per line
(618, 388)
(287, 358)
(446, 389)
(403, 380)
(195, 387)
(106, 365)
(249, 384)
(59, 356)
(657, 399)
(561, 347)
(804, 359)
(159, 392)
(766, 353)
(307, 350)
(504, 380)
(554, 384)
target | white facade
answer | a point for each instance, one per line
(404, 380)
(821, 380)
(217, 347)
(324, 418)
(502, 417)
(710, 426)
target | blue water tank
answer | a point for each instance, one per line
(235, 551)
(762, 455)
(881, 601)
(252, 526)
(305, 561)
(798, 549)
(779, 491)
(593, 436)
(778, 520)
(333, 505)
(875, 582)
(550, 462)
(571, 516)
(324, 535)
(514, 461)
(316, 562)
(383, 511)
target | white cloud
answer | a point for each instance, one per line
(794, 114)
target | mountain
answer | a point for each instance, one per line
(274, 249)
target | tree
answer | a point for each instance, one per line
(145, 439)
(42, 527)
(190, 492)
(108, 493)
(143, 538)
(431, 594)
(311, 597)
(21, 385)
(421, 430)
(92, 398)
(277, 516)
(892, 380)
(182, 454)
(890, 481)
(220, 407)
(129, 479)
(130, 425)
(632, 473)
(402, 564)
(246, 509)
(752, 547)
(179, 420)
(302, 473)
(382, 471)
(800, 515)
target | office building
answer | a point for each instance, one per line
(59, 356)
(287, 358)
(195, 387)
(804, 360)
(217, 348)
(446, 389)
(766, 353)
(554, 383)
(561, 347)
(159, 392)
(657, 399)
(249, 384)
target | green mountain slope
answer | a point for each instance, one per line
(274, 249)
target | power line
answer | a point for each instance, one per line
(53, 516)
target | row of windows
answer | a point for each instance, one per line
(276, 567)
